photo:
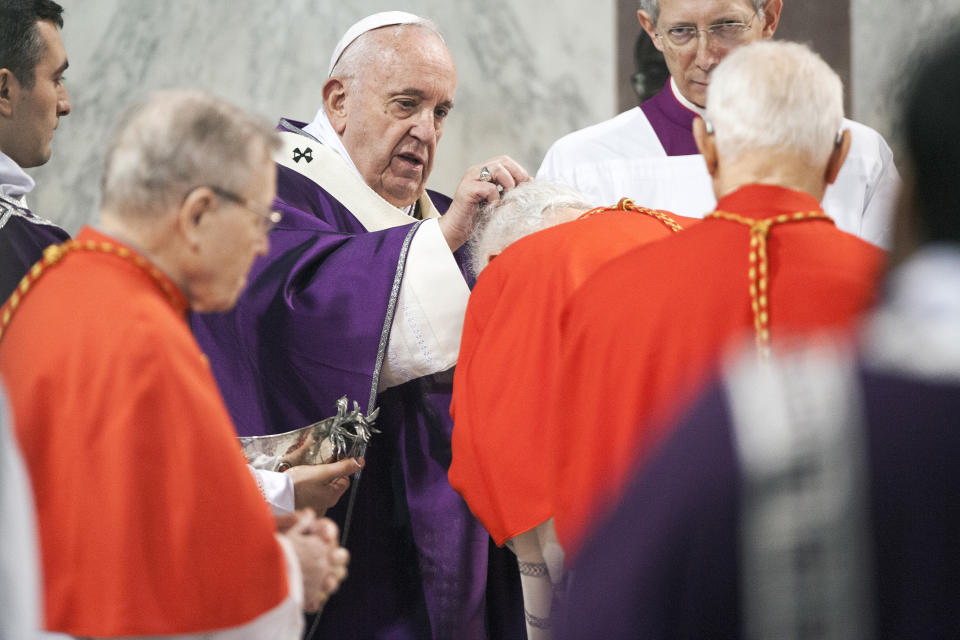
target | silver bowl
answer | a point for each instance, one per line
(344, 435)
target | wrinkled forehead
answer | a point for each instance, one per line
(692, 11)
(404, 53)
(407, 44)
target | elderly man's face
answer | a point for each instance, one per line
(234, 235)
(395, 112)
(692, 63)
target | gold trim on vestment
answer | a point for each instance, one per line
(55, 253)
(626, 204)
(759, 265)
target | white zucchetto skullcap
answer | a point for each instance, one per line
(375, 21)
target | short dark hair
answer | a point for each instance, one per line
(21, 46)
(932, 136)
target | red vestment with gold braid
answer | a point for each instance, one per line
(642, 335)
(150, 522)
(508, 355)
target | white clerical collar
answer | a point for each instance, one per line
(14, 182)
(916, 328)
(686, 103)
(928, 283)
(323, 131)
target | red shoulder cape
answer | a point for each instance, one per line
(149, 521)
(508, 353)
(642, 335)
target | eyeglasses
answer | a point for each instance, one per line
(268, 217)
(723, 33)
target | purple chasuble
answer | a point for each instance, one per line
(665, 564)
(22, 241)
(306, 332)
(672, 122)
(669, 562)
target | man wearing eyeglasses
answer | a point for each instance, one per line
(767, 265)
(150, 523)
(648, 153)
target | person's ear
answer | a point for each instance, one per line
(9, 86)
(837, 157)
(192, 221)
(706, 143)
(646, 21)
(771, 17)
(335, 103)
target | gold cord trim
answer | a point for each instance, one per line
(626, 204)
(53, 254)
(759, 265)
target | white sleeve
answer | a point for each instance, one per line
(425, 334)
(563, 164)
(876, 225)
(552, 168)
(20, 592)
(276, 488)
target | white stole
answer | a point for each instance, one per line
(425, 334)
(329, 170)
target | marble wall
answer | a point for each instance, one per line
(885, 34)
(528, 73)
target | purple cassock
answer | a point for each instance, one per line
(815, 499)
(23, 237)
(304, 333)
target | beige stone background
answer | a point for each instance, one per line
(529, 71)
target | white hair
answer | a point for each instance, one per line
(775, 95)
(523, 210)
(652, 7)
(364, 50)
(176, 140)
